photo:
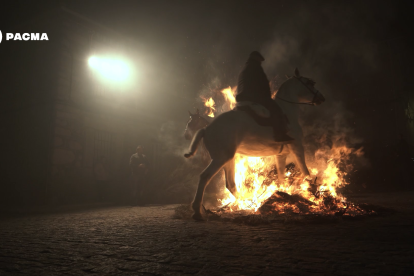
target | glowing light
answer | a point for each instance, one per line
(93, 62)
(111, 69)
(210, 104)
(229, 96)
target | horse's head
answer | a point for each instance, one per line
(300, 90)
(195, 123)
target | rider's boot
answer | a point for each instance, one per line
(279, 132)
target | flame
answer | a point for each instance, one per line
(257, 182)
(249, 180)
(229, 96)
(210, 104)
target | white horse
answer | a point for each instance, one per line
(236, 132)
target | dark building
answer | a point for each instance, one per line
(59, 116)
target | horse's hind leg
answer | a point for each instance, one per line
(205, 177)
(281, 165)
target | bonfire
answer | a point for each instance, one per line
(259, 191)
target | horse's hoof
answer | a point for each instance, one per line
(198, 217)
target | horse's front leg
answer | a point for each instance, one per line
(205, 177)
(299, 155)
(281, 164)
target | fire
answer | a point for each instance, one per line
(249, 180)
(210, 104)
(260, 191)
(228, 94)
(257, 186)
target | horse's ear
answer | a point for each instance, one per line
(189, 113)
(198, 112)
(297, 72)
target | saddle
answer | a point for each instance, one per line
(259, 113)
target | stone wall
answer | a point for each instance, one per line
(68, 174)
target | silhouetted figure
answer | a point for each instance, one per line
(138, 164)
(253, 86)
(101, 179)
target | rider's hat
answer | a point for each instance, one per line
(256, 56)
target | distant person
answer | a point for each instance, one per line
(138, 164)
(101, 178)
(253, 86)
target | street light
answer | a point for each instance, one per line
(112, 69)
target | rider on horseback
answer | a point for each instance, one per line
(253, 86)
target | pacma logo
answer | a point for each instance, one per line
(25, 36)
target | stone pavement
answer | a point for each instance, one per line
(148, 241)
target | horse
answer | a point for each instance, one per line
(236, 132)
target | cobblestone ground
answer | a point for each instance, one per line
(148, 241)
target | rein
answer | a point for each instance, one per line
(308, 103)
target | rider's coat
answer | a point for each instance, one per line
(253, 84)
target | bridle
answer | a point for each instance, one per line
(315, 94)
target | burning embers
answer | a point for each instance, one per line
(260, 192)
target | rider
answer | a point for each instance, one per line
(253, 86)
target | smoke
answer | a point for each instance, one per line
(171, 135)
(335, 46)
(335, 43)
(173, 145)
(176, 177)
(329, 137)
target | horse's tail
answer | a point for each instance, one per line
(194, 143)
